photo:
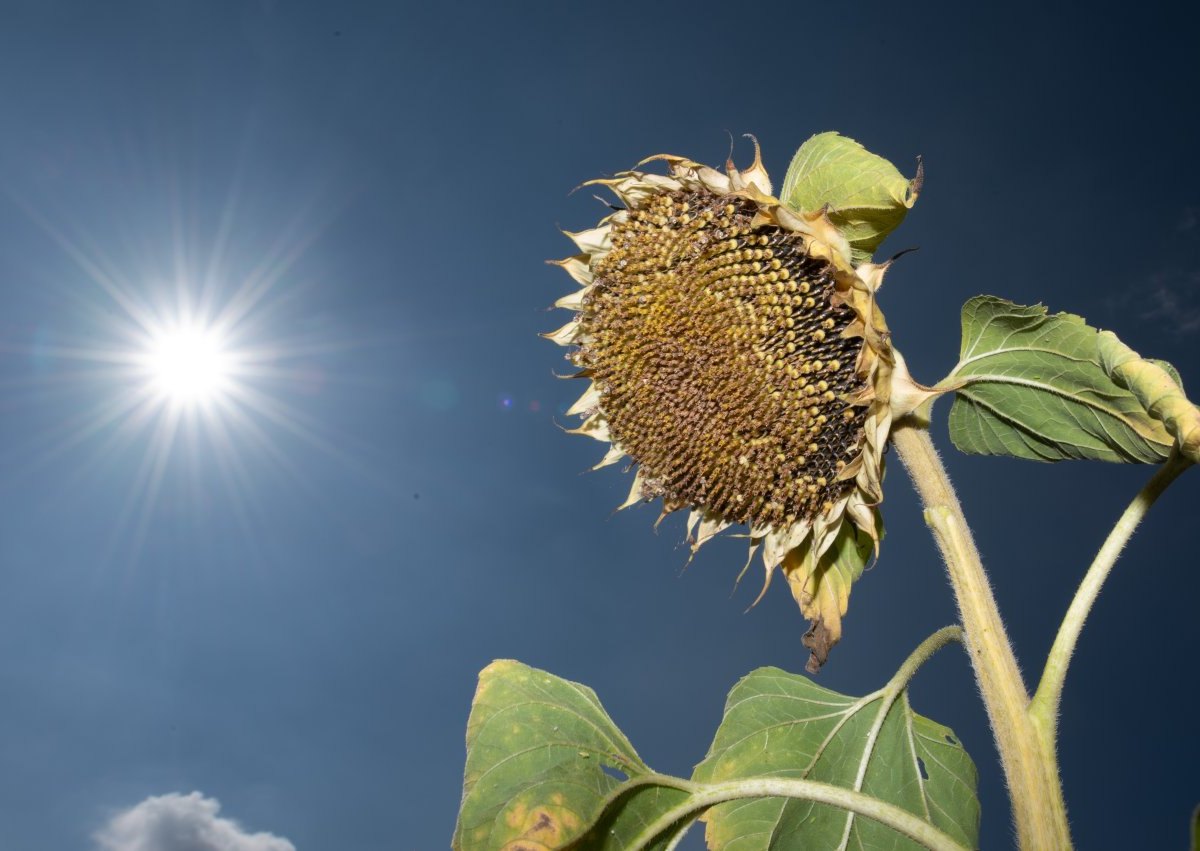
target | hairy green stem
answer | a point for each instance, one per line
(651, 779)
(709, 795)
(674, 843)
(921, 655)
(1043, 709)
(1039, 812)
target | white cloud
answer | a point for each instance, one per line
(178, 822)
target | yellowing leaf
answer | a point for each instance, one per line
(1158, 387)
(538, 747)
(547, 769)
(823, 590)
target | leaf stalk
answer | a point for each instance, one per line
(921, 655)
(1043, 709)
(709, 795)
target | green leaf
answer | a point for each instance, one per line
(1033, 386)
(541, 755)
(537, 750)
(783, 725)
(866, 195)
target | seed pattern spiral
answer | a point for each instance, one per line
(719, 356)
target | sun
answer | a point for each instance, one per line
(183, 355)
(189, 365)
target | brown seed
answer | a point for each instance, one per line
(692, 342)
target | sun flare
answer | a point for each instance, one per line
(189, 365)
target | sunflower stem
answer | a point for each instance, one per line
(1039, 812)
(1043, 709)
(705, 796)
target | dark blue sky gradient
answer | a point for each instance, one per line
(300, 638)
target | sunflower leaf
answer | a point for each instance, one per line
(1033, 385)
(867, 197)
(784, 725)
(541, 758)
(542, 755)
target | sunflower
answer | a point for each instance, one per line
(737, 356)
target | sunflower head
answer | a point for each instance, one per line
(736, 355)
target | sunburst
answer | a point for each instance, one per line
(181, 360)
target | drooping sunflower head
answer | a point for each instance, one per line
(737, 356)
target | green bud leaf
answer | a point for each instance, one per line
(784, 725)
(1033, 385)
(867, 197)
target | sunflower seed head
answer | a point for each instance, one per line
(717, 348)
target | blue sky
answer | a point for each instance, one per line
(287, 615)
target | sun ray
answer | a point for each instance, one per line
(147, 481)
